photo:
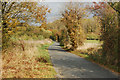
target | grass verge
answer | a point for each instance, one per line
(32, 62)
(94, 55)
(44, 58)
(95, 58)
(93, 41)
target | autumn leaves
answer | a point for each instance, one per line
(13, 13)
(72, 20)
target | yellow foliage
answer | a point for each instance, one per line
(72, 18)
(11, 12)
(10, 32)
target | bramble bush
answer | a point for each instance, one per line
(109, 15)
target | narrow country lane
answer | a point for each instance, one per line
(68, 65)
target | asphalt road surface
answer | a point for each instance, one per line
(69, 65)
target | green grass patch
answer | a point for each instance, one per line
(92, 36)
(79, 53)
(44, 58)
(92, 41)
(43, 53)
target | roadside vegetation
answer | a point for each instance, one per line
(25, 47)
(33, 62)
(28, 51)
(96, 38)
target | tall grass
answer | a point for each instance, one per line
(26, 55)
(33, 62)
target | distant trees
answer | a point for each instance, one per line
(91, 27)
(56, 27)
(72, 20)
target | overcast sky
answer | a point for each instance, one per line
(56, 9)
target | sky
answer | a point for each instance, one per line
(56, 10)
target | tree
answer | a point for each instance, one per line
(57, 26)
(72, 20)
(116, 7)
(109, 16)
(90, 25)
(15, 12)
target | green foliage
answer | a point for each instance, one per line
(64, 39)
(27, 33)
(92, 36)
(93, 41)
(45, 33)
(54, 35)
(57, 28)
(43, 56)
(91, 25)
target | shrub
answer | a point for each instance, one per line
(45, 33)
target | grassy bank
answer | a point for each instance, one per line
(94, 54)
(32, 62)
(96, 57)
(44, 58)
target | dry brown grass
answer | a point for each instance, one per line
(17, 63)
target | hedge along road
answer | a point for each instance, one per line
(69, 65)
